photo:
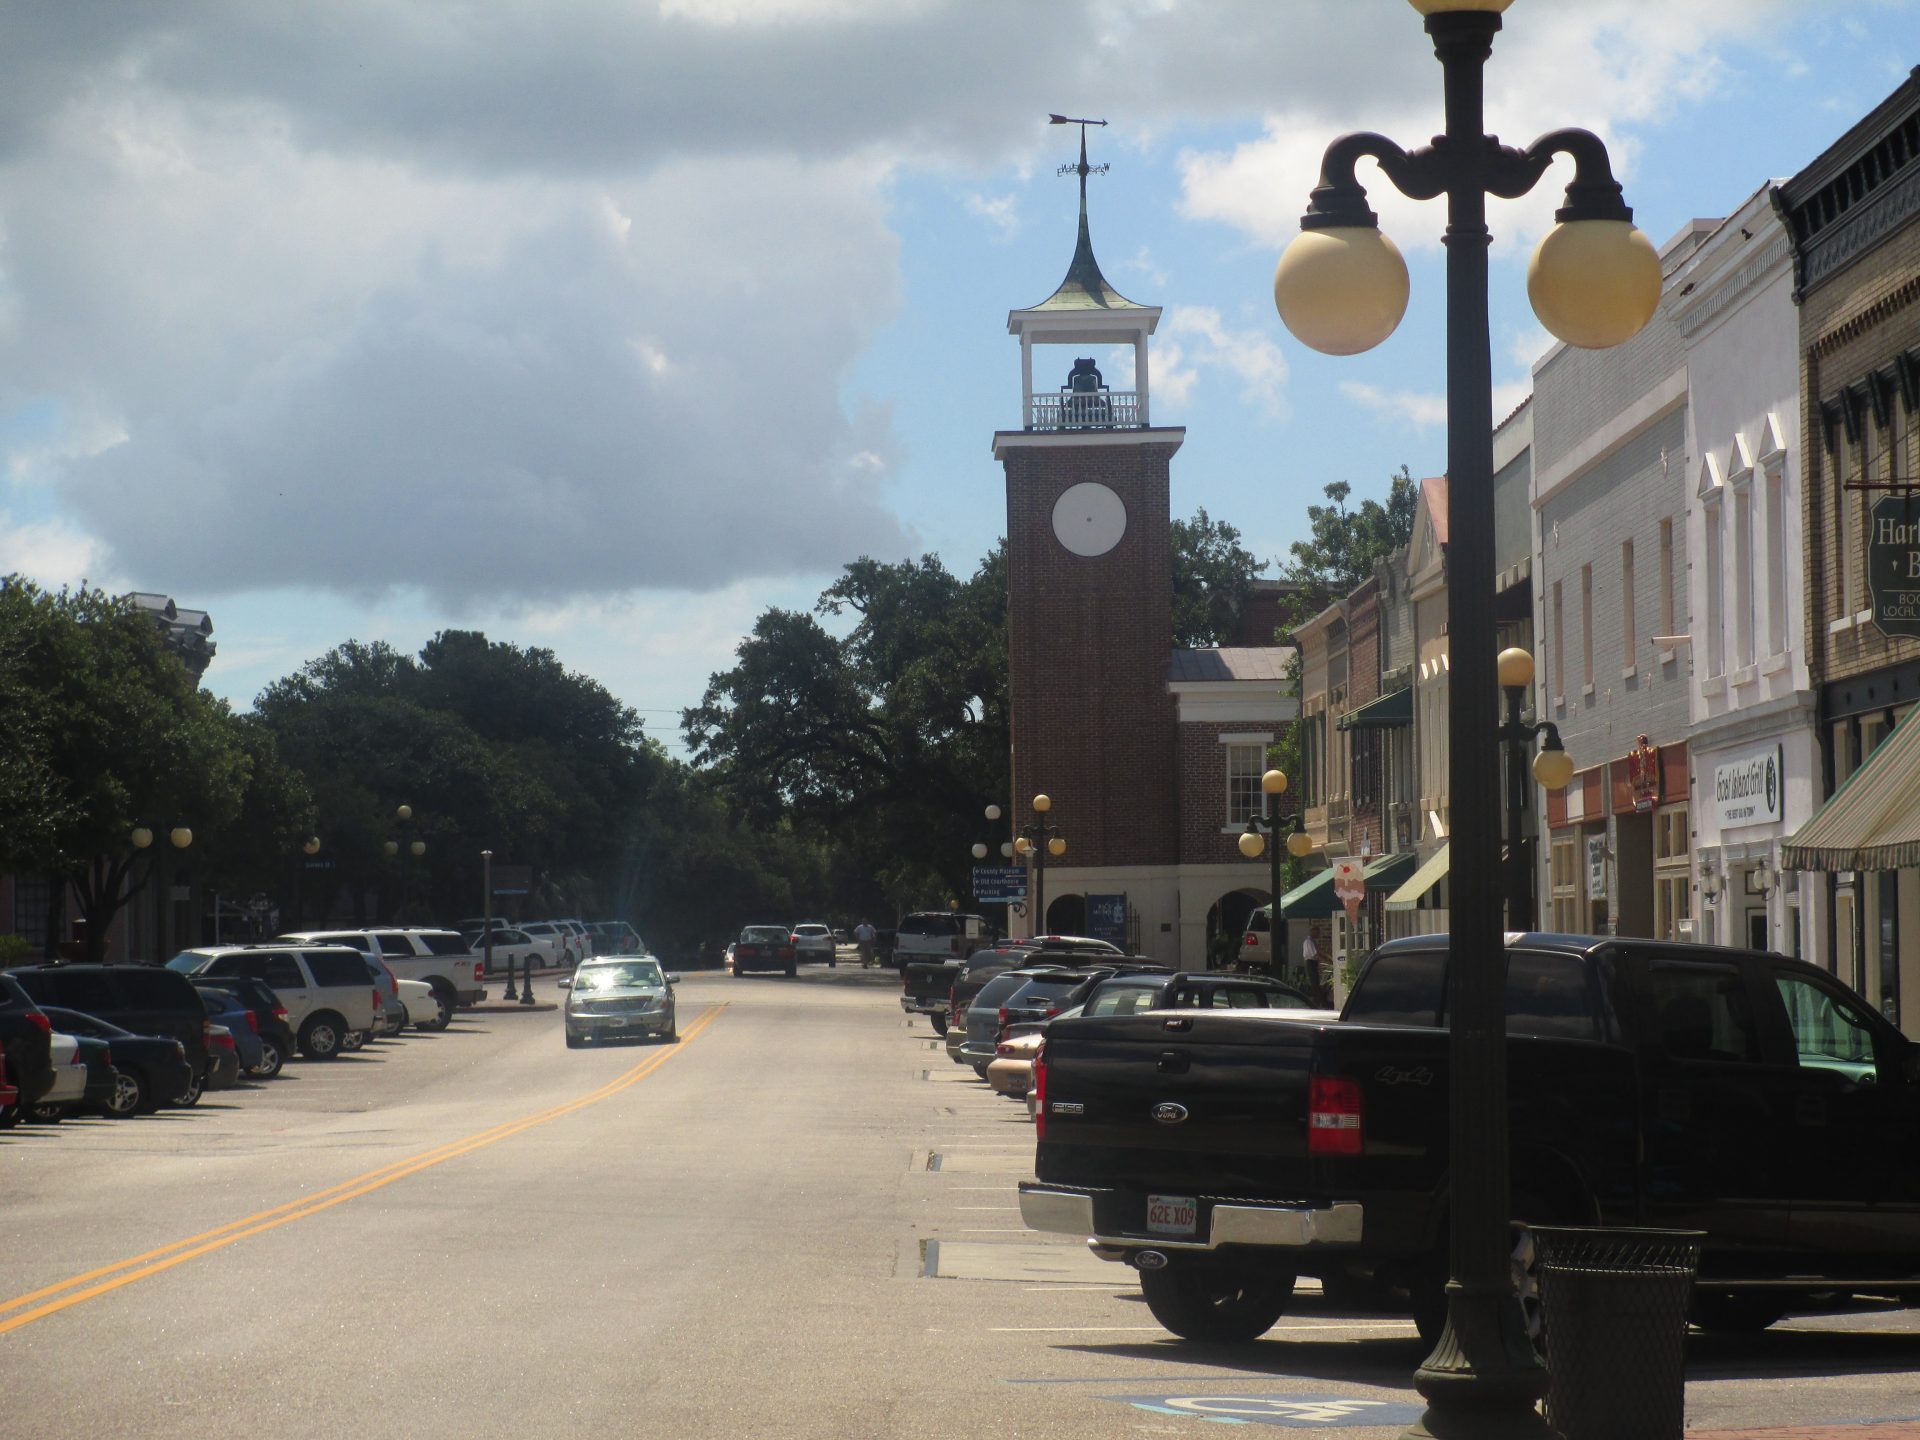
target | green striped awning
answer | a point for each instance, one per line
(1310, 900)
(1409, 895)
(1394, 709)
(1389, 871)
(1873, 822)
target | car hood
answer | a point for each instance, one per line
(617, 992)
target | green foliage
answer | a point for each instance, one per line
(1343, 543)
(15, 950)
(1212, 578)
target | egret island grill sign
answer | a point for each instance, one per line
(1893, 564)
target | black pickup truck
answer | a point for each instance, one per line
(1225, 1153)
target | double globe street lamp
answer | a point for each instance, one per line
(1039, 839)
(1254, 843)
(1341, 287)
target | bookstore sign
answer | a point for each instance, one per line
(1893, 564)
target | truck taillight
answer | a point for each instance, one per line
(1003, 1017)
(479, 971)
(1040, 1092)
(1336, 1116)
(1252, 941)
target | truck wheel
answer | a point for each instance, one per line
(1735, 1312)
(445, 1002)
(1208, 1300)
(320, 1037)
(939, 1024)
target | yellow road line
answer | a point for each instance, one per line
(152, 1262)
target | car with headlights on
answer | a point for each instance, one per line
(617, 997)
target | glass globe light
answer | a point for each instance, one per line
(1056, 847)
(1553, 768)
(1299, 844)
(141, 837)
(1006, 849)
(979, 852)
(312, 847)
(405, 812)
(389, 847)
(417, 848)
(1341, 289)
(1252, 844)
(1022, 846)
(1515, 668)
(181, 837)
(1042, 803)
(993, 812)
(1594, 283)
(1274, 782)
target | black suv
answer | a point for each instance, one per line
(28, 1037)
(144, 999)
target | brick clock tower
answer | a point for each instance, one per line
(1089, 593)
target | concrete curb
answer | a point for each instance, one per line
(508, 1007)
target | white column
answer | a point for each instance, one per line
(1026, 380)
(1140, 373)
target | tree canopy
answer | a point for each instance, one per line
(1212, 577)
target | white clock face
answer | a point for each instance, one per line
(1089, 519)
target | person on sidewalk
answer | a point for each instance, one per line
(863, 936)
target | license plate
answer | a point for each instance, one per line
(1172, 1214)
(615, 1020)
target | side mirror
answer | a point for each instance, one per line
(673, 979)
(566, 984)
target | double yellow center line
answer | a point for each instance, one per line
(52, 1299)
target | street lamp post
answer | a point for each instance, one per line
(1552, 767)
(980, 852)
(486, 917)
(179, 837)
(1341, 287)
(1255, 842)
(1039, 839)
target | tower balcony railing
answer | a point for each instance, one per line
(1101, 410)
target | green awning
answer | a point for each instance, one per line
(1390, 871)
(1409, 895)
(1394, 709)
(1312, 900)
(1873, 822)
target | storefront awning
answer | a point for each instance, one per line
(1389, 872)
(1873, 823)
(1394, 709)
(1409, 895)
(1312, 900)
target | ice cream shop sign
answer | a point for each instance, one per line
(1893, 564)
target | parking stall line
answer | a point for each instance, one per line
(166, 1257)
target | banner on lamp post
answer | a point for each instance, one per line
(1350, 886)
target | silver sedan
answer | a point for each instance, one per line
(616, 997)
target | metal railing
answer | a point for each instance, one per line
(1104, 410)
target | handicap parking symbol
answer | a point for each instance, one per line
(1297, 1412)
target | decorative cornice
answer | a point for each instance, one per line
(1713, 297)
(1838, 245)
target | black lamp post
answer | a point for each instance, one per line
(1552, 767)
(1040, 840)
(1254, 843)
(980, 852)
(1341, 287)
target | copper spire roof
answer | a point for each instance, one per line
(1085, 288)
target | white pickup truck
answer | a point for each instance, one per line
(440, 958)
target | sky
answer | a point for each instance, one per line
(606, 326)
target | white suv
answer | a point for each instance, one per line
(324, 987)
(440, 958)
(813, 941)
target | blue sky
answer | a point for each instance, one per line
(302, 324)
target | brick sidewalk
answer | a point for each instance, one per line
(1893, 1430)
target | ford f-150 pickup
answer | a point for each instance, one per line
(1746, 1095)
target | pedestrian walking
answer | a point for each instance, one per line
(863, 936)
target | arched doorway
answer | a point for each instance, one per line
(1066, 915)
(1227, 924)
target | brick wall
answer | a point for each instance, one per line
(1202, 780)
(1363, 684)
(1088, 641)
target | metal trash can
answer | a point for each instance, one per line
(1613, 1305)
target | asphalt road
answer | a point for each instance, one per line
(800, 1221)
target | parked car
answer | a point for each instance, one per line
(617, 999)
(615, 937)
(579, 940)
(1650, 1083)
(225, 1008)
(550, 937)
(9, 1092)
(940, 987)
(512, 948)
(813, 941)
(940, 935)
(444, 959)
(985, 1015)
(277, 1044)
(421, 1004)
(223, 1059)
(69, 1081)
(765, 947)
(324, 987)
(27, 1035)
(142, 998)
(145, 1067)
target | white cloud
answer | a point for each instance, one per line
(53, 553)
(1418, 408)
(998, 211)
(1195, 339)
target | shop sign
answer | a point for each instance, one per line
(1597, 866)
(1893, 564)
(1350, 885)
(1107, 918)
(1643, 774)
(1748, 789)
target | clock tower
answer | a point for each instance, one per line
(1090, 588)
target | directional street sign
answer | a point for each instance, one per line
(999, 883)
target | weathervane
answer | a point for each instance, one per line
(1082, 169)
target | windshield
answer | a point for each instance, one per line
(189, 962)
(613, 977)
(764, 935)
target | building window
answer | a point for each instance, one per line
(1626, 605)
(1586, 626)
(1559, 647)
(1743, 575)
(1716, 607)
(1667, 625)
(1672, 886)
(1245, 764)
(1776, 566)
(1564, 882)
